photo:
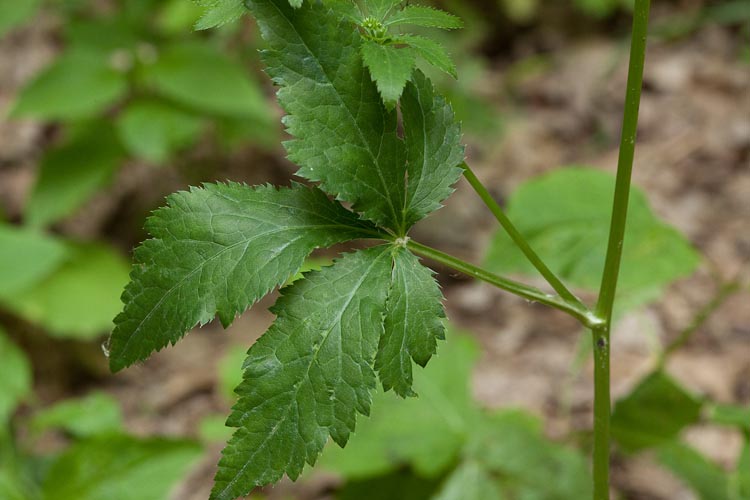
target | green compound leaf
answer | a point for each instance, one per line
(115, 466)
(309, 375)
(217, 250)
(71, 174)
(79, 84)
(433, 148)
(654, 413)
(431, 51)
(412, 323)
(390, 68)
(344, 136)
(428, 17)
(155, 131)
(565, 216)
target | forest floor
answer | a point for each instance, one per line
(693, 161)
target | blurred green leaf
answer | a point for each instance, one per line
(197, 75)
(15, 12)
(70, 174)
(706, 478)
(426, 433)
(654, 413)
(15, 378)
(731, 415)
(230, 371)
(155, 131)
(78, 300)
(399, 485)
(178, 16)
(470, 481)
(117, 467)
(511, 444)
(565, 215)
(113, 37)
(521, 11)
(743, 471)
(26, 257)
(10, 487)
(95, 414)
(79, 84)
(213, 429)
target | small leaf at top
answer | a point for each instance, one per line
(379, 9)
(431, 51)
(427, 17)
(412, 323)
(309, 375)
(219, 13)
(390, 68)
(344, 137)
(217, 250)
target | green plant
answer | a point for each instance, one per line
(131, 83)
(100, 460)
(217, 249)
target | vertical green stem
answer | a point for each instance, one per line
(519, 240)
(605, 305)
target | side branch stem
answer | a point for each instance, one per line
(519, 240)
(605, 304)
(514, 287)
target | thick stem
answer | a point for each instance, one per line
(519, 240)
(522, 290)
(605, 305)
